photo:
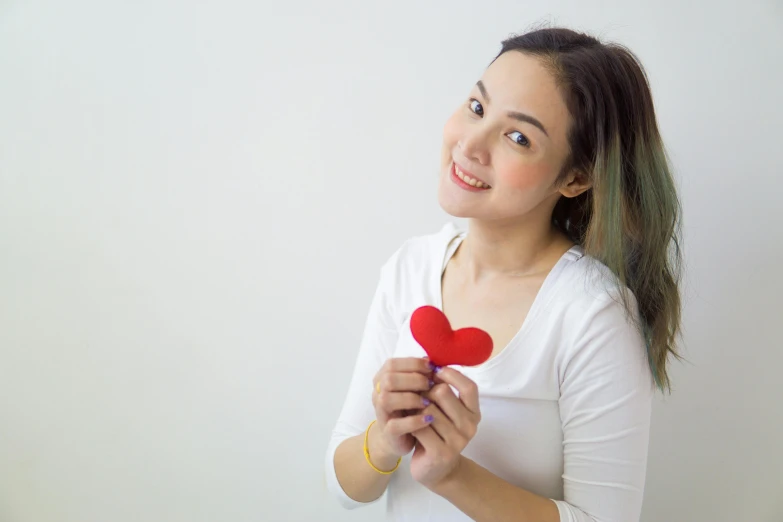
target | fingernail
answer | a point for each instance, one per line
(425, 401)
(428, 419)
(432, 383)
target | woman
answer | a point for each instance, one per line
(570, 262)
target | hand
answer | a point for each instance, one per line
(439, 446)
(402, 380)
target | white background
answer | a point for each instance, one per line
(196, 197)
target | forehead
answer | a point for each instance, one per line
(520, 82)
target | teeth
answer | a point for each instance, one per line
(467, 179)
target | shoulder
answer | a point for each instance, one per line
(600, 321)
(588, 285)
(594, 305)
(408, 277)
(421, 252)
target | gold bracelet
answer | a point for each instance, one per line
(367, 454)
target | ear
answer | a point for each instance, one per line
(577, 182)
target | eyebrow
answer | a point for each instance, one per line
(521, 116)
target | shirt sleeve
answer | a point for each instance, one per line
(605, 406)
(377, 344)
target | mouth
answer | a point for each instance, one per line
(467, 180)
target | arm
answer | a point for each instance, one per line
(605, 403)
(439, 465)
(349, 477)
(484, 496)
(358, 480)
(605, 407)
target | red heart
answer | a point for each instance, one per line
(465, 347)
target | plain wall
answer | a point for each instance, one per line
(196, 197)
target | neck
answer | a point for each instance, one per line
(510, 249)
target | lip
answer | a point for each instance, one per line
(461, 183)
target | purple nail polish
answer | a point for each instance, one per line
(428, 419)
(437, 369)
(425, 401)
(432, 383)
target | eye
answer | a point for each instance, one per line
(518, 138)
(476, 107)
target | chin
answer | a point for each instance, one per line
(456, 212)
(452, 204)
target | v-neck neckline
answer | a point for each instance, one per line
(542, 298)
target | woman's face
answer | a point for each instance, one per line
(509, 134)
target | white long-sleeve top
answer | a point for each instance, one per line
(565, 405)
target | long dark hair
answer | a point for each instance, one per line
(630, 218)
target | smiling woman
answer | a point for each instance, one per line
(570, 262)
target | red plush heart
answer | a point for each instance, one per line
(465, 347)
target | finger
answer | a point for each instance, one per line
(445, 429)
(443, 396)
(428, 438)
(403, 425)
(468, 391)
(408, 381)
(402, 365)
(408, 364)
(395, 401)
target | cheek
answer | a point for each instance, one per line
(523, 176)
(451, 133)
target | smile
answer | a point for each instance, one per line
(466, 180)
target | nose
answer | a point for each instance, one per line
(474, 147)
